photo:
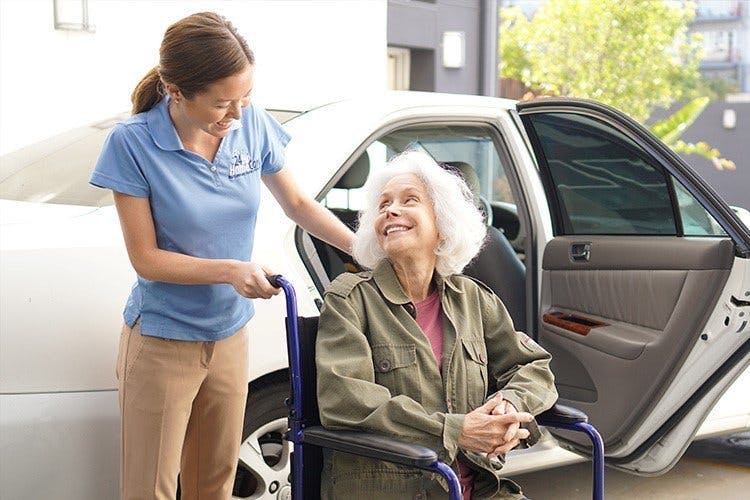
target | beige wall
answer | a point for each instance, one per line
(308, 52)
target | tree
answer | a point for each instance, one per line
(635, 55)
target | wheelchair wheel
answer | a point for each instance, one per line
(264, 466)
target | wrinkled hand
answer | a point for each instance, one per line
(514, 433)
(484, 431)
(251, 281)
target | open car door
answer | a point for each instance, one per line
(644, 288)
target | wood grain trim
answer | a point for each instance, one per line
(572, 322)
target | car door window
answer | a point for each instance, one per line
(696, 221)
(603, 182)
(445, 143)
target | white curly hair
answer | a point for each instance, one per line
(459, 222)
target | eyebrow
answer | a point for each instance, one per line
(408, 190)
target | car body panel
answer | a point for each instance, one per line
(66, 275)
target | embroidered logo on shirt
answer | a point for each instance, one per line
(242, 164)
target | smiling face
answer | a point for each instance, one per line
(214, 109)
(406, 225)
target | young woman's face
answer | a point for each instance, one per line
(214, 109)
(406, 225)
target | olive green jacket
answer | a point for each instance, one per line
(377, 373)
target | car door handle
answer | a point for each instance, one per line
(580, 252)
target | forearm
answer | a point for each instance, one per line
(367, 406)
(321, 223)
(529, 388)
(172, 267)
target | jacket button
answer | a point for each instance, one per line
(410, 308)
(384, 365)
(419, 496)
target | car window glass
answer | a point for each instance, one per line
(445, 143)
(468, 144)
(603, 182)
(696, 221)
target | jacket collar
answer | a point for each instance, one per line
(387, 281)
(162, 129)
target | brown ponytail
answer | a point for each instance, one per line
(196, 51)
(148, 92)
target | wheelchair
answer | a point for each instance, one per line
(309, 437)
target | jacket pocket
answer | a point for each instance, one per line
(476, 370)
(396, 368)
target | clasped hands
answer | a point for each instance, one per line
(494, 428)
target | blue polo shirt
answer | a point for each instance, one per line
(199, 208)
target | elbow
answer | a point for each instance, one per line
(294, 209)
(143, 266)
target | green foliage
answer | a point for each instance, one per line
(671, 128)
(634, 55)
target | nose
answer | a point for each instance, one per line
(235, 110)
(393, 210)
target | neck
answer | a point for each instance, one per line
(415, 276)
(192, 137)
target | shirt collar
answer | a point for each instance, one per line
(387, 281)
(162, 129)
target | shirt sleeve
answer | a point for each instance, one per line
(349, 397)
(118, 167)
(518, 366)
(274, 144)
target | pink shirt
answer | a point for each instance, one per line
(430, 320)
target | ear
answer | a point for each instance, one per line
(173, 91)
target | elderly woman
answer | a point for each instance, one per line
(412, 348)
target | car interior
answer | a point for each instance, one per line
(469, 152)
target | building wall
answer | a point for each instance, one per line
(306, 53)
(725, 26)
(732, 185)
(419, 26)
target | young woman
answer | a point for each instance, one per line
(186, 172)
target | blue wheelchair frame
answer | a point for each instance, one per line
(304, 432)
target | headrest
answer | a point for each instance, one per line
(357, 174)
(470, 177)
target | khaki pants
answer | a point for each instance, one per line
(182, 406)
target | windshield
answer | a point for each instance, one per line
(57, 170)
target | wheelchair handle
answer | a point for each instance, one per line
(275, 280)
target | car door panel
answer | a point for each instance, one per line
(625, 295)
(651, 296)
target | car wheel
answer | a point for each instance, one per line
(263, 471)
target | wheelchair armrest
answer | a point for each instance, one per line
(561, 414)
(372, 446)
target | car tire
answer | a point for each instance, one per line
(263, 471)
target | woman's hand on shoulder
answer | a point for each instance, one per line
(251, 280)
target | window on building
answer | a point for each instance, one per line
(718, 45)
(399, 64)
(717, 8)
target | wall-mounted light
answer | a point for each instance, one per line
(454, 49)
(73, 15)
(729, 118)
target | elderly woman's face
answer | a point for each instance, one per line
(406, 224)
